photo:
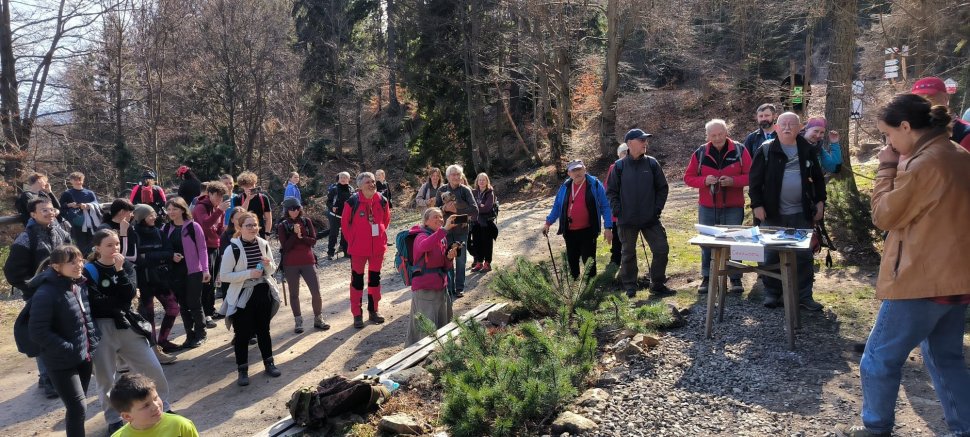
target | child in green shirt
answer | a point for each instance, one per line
(134, 396)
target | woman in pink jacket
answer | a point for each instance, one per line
(364, 221)
(432, 255)
(190, 268)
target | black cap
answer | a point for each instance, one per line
(636, 134)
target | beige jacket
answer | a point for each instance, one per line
(925, 206)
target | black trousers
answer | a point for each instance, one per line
(71, 386)
(480, 243)
(332, 237)
(188, 292)
(254, 319)
(209, 288)
(580, 244)
(616, 250)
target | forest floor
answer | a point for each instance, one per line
(743, 382)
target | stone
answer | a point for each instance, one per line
(645, 342)
(624, 333)
(610, 377)
(625, 350)
(572, 423)
(592, 397)
(413, 377)
(499, 318)
(403, 424)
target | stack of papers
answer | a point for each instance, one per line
(749, 235)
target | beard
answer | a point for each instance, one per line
(764, 124)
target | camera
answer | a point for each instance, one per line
(460, 219)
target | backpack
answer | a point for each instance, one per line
(404, 258)
(354, 202)
(21, 334)
(699, 153)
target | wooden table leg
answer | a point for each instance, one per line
(722, 282)
(796, 292)
(712, 292)
(788, 294)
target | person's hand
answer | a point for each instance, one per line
(224, 206)
(431, 201)
(608, 234)
(47, 187)
(545, 228)
(255, 273)
(84, 206)
(206, 277)
(759, 213)
(819, 211)
(266, 262)
(123, 228)
(453, 253)
(118, 262)
(711, 180)
(726, 181)
(298, 230)
(833, 136)
(177, 258)
(450, 223)
(888, 155)
(72, 205)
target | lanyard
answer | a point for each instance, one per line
(574, 192)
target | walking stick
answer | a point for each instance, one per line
(645, 253)
(553, 258)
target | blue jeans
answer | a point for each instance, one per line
(456, 277)
(900, 326)
(717, 216)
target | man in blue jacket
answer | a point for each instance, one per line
(581, 204)
(638, 190)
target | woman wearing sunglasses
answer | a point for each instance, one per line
(297, 238)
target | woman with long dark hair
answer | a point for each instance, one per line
(62, 327)
(190, 268)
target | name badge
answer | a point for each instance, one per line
(374, 231)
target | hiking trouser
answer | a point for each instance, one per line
(373, 264)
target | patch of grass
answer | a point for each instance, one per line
(362, 430)
(855, 308)
(616, 313)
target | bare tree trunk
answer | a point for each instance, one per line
(360, 141)
(393, 104)
(618, 31)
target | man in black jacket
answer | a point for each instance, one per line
(337, 196)
(637, 190)
(28, 251)
(788, 190)
(765, 115)
(39, 187)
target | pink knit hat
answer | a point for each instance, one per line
(815, 122)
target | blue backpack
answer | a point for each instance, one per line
(404, 258)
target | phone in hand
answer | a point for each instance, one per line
(460, 219)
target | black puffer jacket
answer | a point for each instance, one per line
(60, 321)
(154, 254)
(29, 250)
(111, 293)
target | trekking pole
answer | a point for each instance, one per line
(645, 253)
(553, 258)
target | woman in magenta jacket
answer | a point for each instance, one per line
(719, 169)
(190, 268)
(429, 289)
(364, 221)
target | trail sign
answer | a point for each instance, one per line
(856, 113)
(951, 86)
(796, 94)
(891, 75)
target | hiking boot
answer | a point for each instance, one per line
(810, 304)
(169, 347)
(298, 324)
(217, 316)
(486, 267)
(358, 322)
(773, 301)
(271, 369)
(476, 267)
(194, 343)
(330, 256)
(163, 358)
(662, 290)
(459, 293)
(114, 427)
(47, 387)
(375, 317)
(631, 293)
(318, 323)
(736, 286)
(243, 379)
(209, 323)
(705, 283)
(858, 431)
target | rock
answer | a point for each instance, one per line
(413, 377)
(610, 377)
(401, 424)
(645, 342)
(626, 350)
(676, 316)
(499, 318)
(624, 333)
(572, 423)
(592, 397)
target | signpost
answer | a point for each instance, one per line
(951, 86)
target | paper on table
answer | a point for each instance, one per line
(713, 231)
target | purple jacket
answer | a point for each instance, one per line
(195, 260)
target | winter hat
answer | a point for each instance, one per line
(815, 122)
(290, 202)
(142, 212)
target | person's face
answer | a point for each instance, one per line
(293, 211)
(149, 182)
(174, 212)
(227, 182)
(295, 179)
(108, 247)
(344, 180)
(145, 413)
(150, 219)
(39, 184)
(814, 134)
(44, 213)
(250, 228)
(765, 118)
(900, 138)
(787, 128)
(77, 184)
(368, 185)
(247, 188)
(454, 178)
(435, 222)
(125, 215)
(482, 183)
(717, 135)
(577, 173)
(637, 147)
(70, 269)
(436, 178)
(380, 176)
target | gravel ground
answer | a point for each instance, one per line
(745, 382)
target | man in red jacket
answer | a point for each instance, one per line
(719, 170)
(208, 212)
(364, 221)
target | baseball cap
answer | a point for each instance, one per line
(928, 86)
(636, 134)
(574, 164)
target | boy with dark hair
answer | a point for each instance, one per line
(135, 398)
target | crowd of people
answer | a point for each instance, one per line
(81, 267)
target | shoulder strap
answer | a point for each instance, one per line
(236, 252)
(354, 204)
(699, 153)
(93, 271)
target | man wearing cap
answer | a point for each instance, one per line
(637, 190)
(788, 190)
(148, 193)
(580, 204)
(934, 90)
(765, 115)
(616, 247)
